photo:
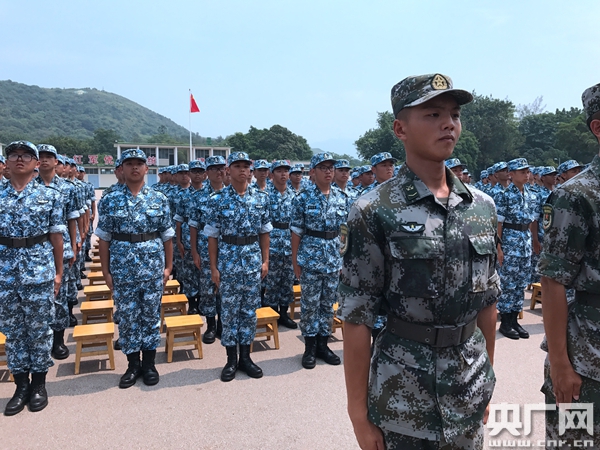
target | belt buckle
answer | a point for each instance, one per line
(19, 242)
(448, 337)
(135, 238)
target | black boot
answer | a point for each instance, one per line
(59, 349)
(219, 330)
(518, 328)
(117, 344)
(325, 353)
(211, 329)
(72, 318)
(309, 358)
(284, 318)
(79, 286)
(83, 275)
(247, 365)
(38, 399)
(192, 305)
(228, 372)
(134, 371)
(87, 258)
(506, 326)
(21, 397)
(148, 368)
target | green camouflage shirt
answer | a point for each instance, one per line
(571, 256)
(425, 262)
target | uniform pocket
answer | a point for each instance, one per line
(483, 251)
(416, 266)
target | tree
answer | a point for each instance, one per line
(276, 142)
(104, 141)
(532, 109)
(575, 139)
(467, 150)
(381, 139)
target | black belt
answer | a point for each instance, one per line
(587, 299)
(432, 335)
(516, 226)
(281, 225)
(23, 242)
(323, 234)
(135, 237)
(240, 240)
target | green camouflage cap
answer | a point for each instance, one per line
(591, 101)
(415, 90)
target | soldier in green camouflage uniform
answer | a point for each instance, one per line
(570, 258)
(422, 248)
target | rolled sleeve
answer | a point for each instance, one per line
(169, 233)
(104, 235)
(73, 215)
(178, 218)
(211, 231)
(58, 229)
(297, 230)
(193, 223)
(267, 228)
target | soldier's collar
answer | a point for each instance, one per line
(414, 189)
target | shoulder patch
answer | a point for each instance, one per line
(344, 235)
(548, 215)
(412, 227)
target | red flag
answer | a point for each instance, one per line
(193, 106)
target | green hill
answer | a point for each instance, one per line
(34, 113)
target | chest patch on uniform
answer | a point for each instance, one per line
(410, 191)
(344, 239)
(548, 212)
(311, 207)
(412, 227)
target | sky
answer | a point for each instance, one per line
(323, 69)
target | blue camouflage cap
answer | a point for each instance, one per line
(517, 164)
(197, 164)
(47, 148)
(320, 158)
(354, 174)
(483, 174)
(160, 170)
(2, 159)
(466, 172)
(297, 168)
(280, 163)
(25, 145)
(80, 169)
(364, 169)
(415, 90)
(548, 170)
(215, 161)
(342, 164)
(453, 162)
(381, 157)
(498, 166)
(567, 165)
(183, 168)
(118, 163)
(238, 156)
(133, 153)
(261, 164)
(172, 170)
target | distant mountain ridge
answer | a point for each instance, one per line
(36, 113)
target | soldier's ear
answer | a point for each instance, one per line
(595, 127)
(399, 129)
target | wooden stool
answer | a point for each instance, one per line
(172, 287)
(95, 278)
(96, 259)
(337, 323)
(97, 310)
(3, 361)
(95, 267)
(98, 292)
(296, 302)
(267, 318)
(172, 304)
(536, 295)
(183, 326)
(95, 251)
(94, 335)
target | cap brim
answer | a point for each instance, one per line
(461, 97)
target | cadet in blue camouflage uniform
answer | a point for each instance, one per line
(238, 228)
(135, 233)
(422, 248)
(280, 279)
(317, 216)
(483, 181)
(571, 258)
(341, 180)
(456, 167)
(31, 256)
(91, 202)
(547, 177)
(295, 181)
(261, 174)
(500, 172)
(517, 209)
(568, 170)
(209, 298)
(68, 291)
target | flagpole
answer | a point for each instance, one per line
(190, 117)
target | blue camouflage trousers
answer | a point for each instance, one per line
(139, 314)
(279, 281)
(207, 304)
(240, 298)
(189, 275)
(514, 278)
(26, 311)
(319, 293)
(61, 301)
(176, 262)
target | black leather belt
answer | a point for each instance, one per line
(240, 240)
(281, 225)
(135, 237)
(323, 234)
(587, 299)
(516, 226)
(435, 336)
(23, 242)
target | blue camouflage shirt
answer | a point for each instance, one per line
(230, 214)
(183, 213)
(281, 211)
(516, 208)
(197, 217)
(34, 211)
(312, 210)
(148, 212)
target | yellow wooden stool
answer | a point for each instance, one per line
(97, 292)
(101, 310)
(267, 318)
(296, 302)
(95, 278)
(172, 287)
(95, 267)
(95, 251)
(3, 354)
(337, 323)
(174, 305)
(94, 335)
(536, 295)
(186, 327)
(96, 259)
